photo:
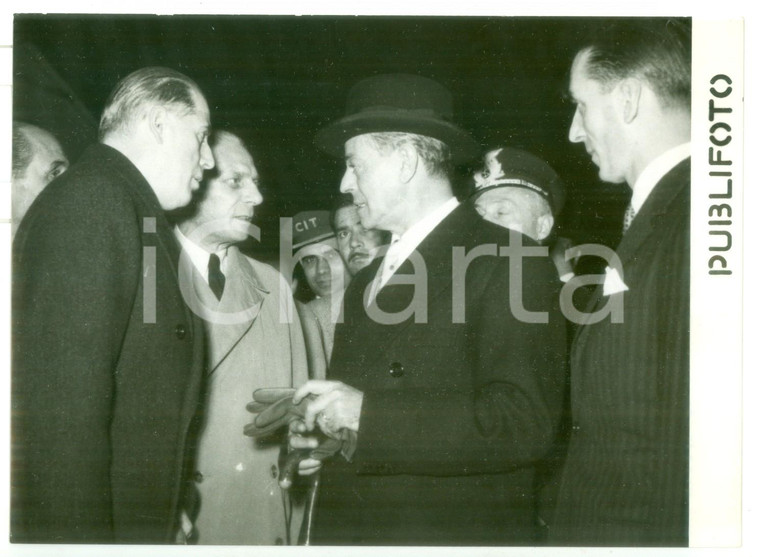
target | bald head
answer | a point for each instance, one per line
(37, 159)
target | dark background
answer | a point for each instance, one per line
(277, 80)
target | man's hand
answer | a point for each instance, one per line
(335, 407)
(296, 440)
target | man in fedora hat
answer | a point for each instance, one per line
(453, 396)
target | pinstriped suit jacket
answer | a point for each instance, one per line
(626, 476)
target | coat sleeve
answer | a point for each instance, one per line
(302, 360)
(76, 269)
(314, 340)
(503, 412)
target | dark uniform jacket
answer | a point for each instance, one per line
(626, 475)
(107, 362)
(457, 409)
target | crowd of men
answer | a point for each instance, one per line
(424, 333)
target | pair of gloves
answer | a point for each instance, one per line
(274, 409)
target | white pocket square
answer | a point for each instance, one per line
(613, 284)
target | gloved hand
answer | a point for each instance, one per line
(275, 409)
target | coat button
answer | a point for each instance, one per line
(198, 477)
(396, 370)
(180, 331)
(274, 471)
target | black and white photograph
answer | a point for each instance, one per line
(433, 281)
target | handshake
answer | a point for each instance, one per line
(298, 411)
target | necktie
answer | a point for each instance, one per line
(630, 214)
(215, 276)
(386, 269)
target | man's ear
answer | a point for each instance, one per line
(410, 160)
(629, 91)
(544, 226)
(156, 120)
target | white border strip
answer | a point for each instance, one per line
(716, 332)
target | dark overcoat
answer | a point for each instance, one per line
(460, 401)
(107, 362)
(626, 476)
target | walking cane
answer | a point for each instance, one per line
(287, 473)
(304, 538)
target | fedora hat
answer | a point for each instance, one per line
(398, 103)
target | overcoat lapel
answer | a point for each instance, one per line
(150, 208)
(435, 253)
(243, 295)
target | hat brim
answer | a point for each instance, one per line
(520, 184)
(332, 138)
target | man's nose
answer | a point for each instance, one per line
(356, 240)
(576, 133)
(207, 157)
(252, 194)
(323, 266)
(347, 183)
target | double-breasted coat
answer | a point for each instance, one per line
(458, 405)
(107, 362)
(255, 341)
(626, 475)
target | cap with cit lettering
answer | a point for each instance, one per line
(508, 167)
(310, 227)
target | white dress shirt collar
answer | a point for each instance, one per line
(654, 172)
(402, 246)
(199, 256)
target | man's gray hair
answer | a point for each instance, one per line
(435, 153)
(22, 150)
(142, 89)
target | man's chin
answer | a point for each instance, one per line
(240, 227)
(177, 203)
(610, 177)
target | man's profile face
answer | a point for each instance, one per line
(597, 123)
(371, 178)
(231, 195)
(510, 208)
(356, 244)
(47, 163)
(187, 154)
(323, 267)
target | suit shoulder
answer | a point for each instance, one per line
(84, 189)
(270, 277)
(473, 231)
